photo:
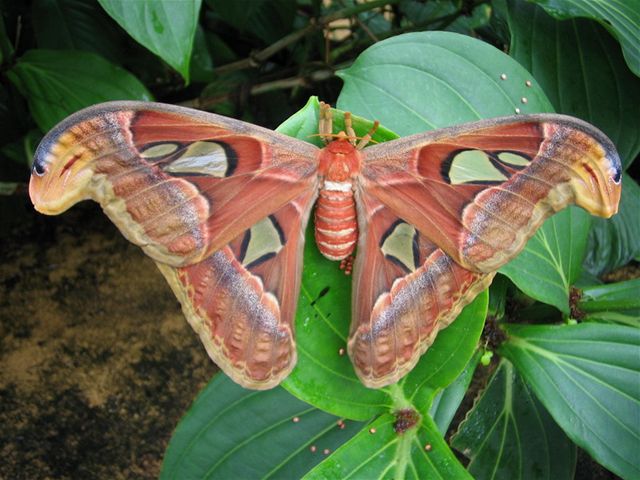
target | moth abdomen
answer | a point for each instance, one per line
(336, 227)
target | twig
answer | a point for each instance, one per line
(260, 57)
(285, 83)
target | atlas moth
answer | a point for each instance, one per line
(221, 206)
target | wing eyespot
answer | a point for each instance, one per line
(479, 167)
(203, 158)
(261, 242)
(39, 167)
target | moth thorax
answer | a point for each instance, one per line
(339, 161)
(336, 227)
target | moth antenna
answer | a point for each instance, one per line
(367, 138)
(325, 126)
(341, 135)
(348, 126)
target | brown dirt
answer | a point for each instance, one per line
(97, 363)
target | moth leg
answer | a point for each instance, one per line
(346, 264)
(367, 138)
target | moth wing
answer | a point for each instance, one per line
(479, 191)
(405, 291)
(178, 182)
(242, 299)
(220, 205)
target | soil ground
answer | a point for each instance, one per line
(97, 363)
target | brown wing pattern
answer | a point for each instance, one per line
(179, 183)
(220, 205)
(479, 191)
(242, 299)
(405, 290)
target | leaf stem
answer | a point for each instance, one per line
(403, 453)
(399, 400)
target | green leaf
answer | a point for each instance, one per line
(467, 24)
(434, 70)
(614, 242)
(379, 452)
(449, 355)
(588, 378)
(611, 296)
(446, 403)
(165, 27)
(622, 19)
(509, 434)
(581, 68)
(269, 20)
(630, 318)
(324, 377)
(75, 25)
(201, 68)
(498, 296)
(303, 124)
(230, 432)
(552, 259)
(57, 83)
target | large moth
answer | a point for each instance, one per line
(222, 205)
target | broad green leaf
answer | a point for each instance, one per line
(269, 20)
(581, 68)
(447, 358)
(379, 452)
(446, 403)
(165, 27)
(230, 432)
(76, 25)
(479, 18)
(434, 70)
(621, 18)
(588, 378)
(630, 318)
(509, 434)
(498, 296)
(303, 124)
(424, 13)
(57, 83)
(552, 259)
(201, 67)
(611, 296)
(615, 241)
(324, 377)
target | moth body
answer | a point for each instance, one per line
(336, 227)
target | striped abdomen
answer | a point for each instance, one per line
(336, 226)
